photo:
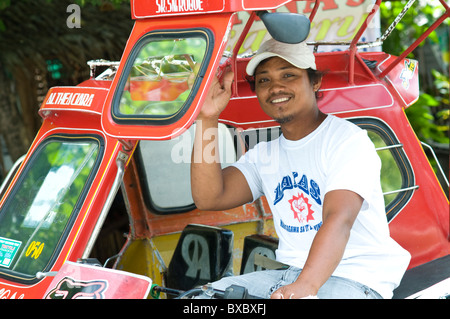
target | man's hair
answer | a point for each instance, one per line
(313, 75)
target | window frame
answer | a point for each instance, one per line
(160, 120)
(408, 185)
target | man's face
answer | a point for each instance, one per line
(283, 90)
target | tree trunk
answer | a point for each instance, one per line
(11, 124)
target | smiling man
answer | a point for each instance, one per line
(321, 178)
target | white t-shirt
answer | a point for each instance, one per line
(295, 176)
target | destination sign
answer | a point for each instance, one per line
(69, 98)
(74, 98)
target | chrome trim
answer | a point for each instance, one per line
(120, 161)
(402, 190)
(389, 147)
(12, 171)
(437, 162)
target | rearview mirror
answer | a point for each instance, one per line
(286, 27)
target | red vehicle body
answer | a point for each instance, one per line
(371, 89)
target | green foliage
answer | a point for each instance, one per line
(432, 125)
(417, 19)
(4, 4)
(100, 2)
(429, 116)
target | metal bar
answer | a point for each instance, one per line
(40, 275)
(359, 45)
(397, 20)
(437, 162)
(445, 5)
(363, 27)
(314, 10)
(402, 190)
(244, 32)
(11, 171)
(237, 46)
(352, 49)
(389, 147)
(120, 161)
(93, 64)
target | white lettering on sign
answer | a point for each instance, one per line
(169, 6)
(6, 294)
(196, 255)
(80, 99)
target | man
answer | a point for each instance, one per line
(321, 179)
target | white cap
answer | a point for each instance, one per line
(297, 54)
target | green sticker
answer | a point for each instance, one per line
(8, 249)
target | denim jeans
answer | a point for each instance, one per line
(263, 283)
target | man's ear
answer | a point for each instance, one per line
(317, 85)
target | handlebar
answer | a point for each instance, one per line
(232, 292)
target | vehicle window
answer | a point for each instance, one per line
(397, 176)
(165, 169)
(162, 77)
(44, 203)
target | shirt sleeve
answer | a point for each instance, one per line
(248, 166)
(354, 165)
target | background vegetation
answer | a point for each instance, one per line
(430, 114)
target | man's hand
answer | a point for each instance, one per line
(340, 208)
(294, 291)
(218, 96)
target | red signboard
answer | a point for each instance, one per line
(79, 281)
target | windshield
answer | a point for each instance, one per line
(162, 77)
(44, 203)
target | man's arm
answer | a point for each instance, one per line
(212, 187)
(340, 209)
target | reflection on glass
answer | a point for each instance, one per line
(38, 212)
(162, 76)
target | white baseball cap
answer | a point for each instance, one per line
(297, 54)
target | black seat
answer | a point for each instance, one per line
(257, 245)
(203, 254)
(422, 277)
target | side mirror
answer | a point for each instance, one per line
(286, 27)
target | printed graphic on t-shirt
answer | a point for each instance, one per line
(301, 208)
(301, 204)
